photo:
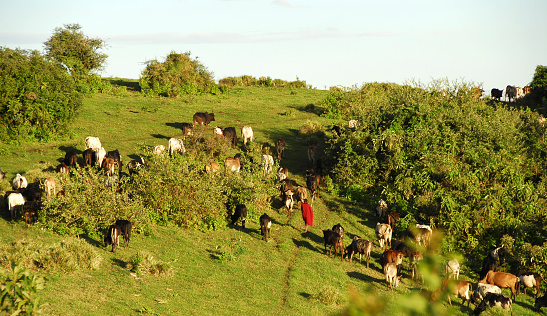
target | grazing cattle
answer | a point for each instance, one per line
(134, 165)
(510, 93)
(286, 184)
(527, 90)
(158, 149)
(496, 94)
(498, 253)
(212, 167)
(423, 235)
(312, 153)
(30, 210)
(93, 143)
(247, 134)
(488, 264)
(203, 118)
(503, 280)
(176, 145)
(71, 159)
(494, 300)
(452, 269)
(288, 200)
(265, 226)
(62, 168)
(267, 163)
(88, 156)
(361, 246)
(301, 194)
(312, 184)
(352, 124)
(49, 185)
(98, 156)
(187, 129)
(240, 212)
(529, 279)
(339, 229)
(482, 290)
(115, 155)
(392, 256)
(336, 130)
(540, 302)
(112, 237)
(14, 200)
(230, 135)
(19, 182)
(333, 240)
(282, 174)
(381, 208)
(217, 131)
(458, 289)
(232, 164)
(476, 92)
(125, 227)
(390, 272)
(392, 217)
(280, 148)
(108, 166)
(383, 234)
(520, 93)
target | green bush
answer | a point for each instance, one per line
(18, 289)
(38, 98)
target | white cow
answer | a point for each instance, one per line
(14, 200)
(93, 143)
(176, 146)
(267, 161)
(247, 134)
(452, 268)
(19, 182)
(98, 156)
(383, 233)
(159, 149)
(381, 208)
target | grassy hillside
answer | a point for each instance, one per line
(226, 271)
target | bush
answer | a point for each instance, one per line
(18, 289)
(37, 98)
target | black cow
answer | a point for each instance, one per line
(203, 118)
(312, 183)
(115, 155)
(492, 300)
(112, 237)
(265, 226)
(496, 93)
(187, 129)
(333, 240)
(71, 159)
(230, 134)
(240, 212)
(125, 227)
(336, 129)
(510, 93)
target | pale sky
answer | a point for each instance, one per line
(325, 43)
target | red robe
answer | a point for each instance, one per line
(307, 214)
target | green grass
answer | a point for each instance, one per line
(226, 272)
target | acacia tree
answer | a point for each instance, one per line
(79, 54)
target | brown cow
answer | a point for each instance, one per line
(280, 147)
(108, 166)
(286, 184)
(312, 152)
(187, 129)
(390, 256)
(203, 118)
(461, 289)
(212, 167)
(62, 168)
(71, 159)
(232, 164)
(527, 90)
(88, 156)
(392, 217)
(390, 272)
(334, 240)
(502, 280)
(282, 173)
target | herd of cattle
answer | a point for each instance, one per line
(487, 291)
(511, 93)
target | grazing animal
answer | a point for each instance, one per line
(390, 272)
(527, 90)
(267, 162)
(361, 246)
(71, 159)
(93, 143)
(187, 129)
(217, 131)
(383, 234)
(333, 240)
(540, 302)
(49, 185)
(29, 213)
(520, 93)
(312, 153)
(280, 148)
(510, 93)
(482, 290)
(282, 174)
(496, 93)
(301, 194)
(423, 235)
(288, 200)
(392, 217)
(265, 226)
(503, 280)
(339, 229)
(415, 259)
(125, 227)
(62, 168)
(381, 208)
(108, 166)
(176, 145)
(212, 167)
(115, 155)
(203, 118)
(458, 289)
(239, 212)
(494, 300)
(498, 253)
(158, 149)
(286, 184)
(19, 182)
(392, 256)
(134, 165)
(232, 164)
(452, 269)
(247, 134)
(98, 156)
(14, 200)
(112, 237)
(312, 184)
(529, 279)
(230, 135)
(88, 156)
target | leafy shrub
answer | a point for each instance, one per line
(38, 98)
(144, 263)
(249, 81)
(18, 289)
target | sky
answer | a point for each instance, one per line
(325, 43)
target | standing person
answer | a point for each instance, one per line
(307, 214)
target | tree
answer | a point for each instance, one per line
(78, 53)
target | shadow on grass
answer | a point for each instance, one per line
(363, 277)
(119, 263)
(305, 295)
(303, 243)
(160, 136)
(93, 242)
(177, 125)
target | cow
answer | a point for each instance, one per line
(503, 280)
(381, 208)
(125, 227)
(301, 194)
(383, 234)
(461, 289)
(361, 246)
(352, 124)
(88, 156)
(247, 134)
(203, 118)
(239, 212)
(390, 272)
(339, 229)
(392, 217)
(232, 164)
(62, 168)
(280, 148)
(134, 165)
(115, 155)
(175, 145)
(212, 167)
(510, 93)
(265, 226)
(282, 174)
(312, 153)
(112, 237)
(527, 90)
(520, 93)
(333, 240)
(529, 279)
(230, 135)
(540, 302)
(497, 253)
(217, 131)
(392, 256)
(336, 130)
(482, 290)
(422, 234)
(108, 166)
(158, 149)
(14, 200)
(19, 182)
(49, 185)
(452, 268)
(30, 209)
(494, 300)
(98, 156)
(496, 94)
(187, 129)
(71, 159)
(267, 162)
(312, 184)
(93, 143)
(288, 200)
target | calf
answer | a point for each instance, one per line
(217, 131)
(247, 134)
(98, 156)
(212, 167)
(112, 237)
(88, 156)
(158, 149)
(493, 300)
(175, 145)
(30, 211)
(383, 234)
(381, 208)
(14, 200)
(390, 272)
(529, 279)
(288, 200)
(203, 118)
(312, 184)
(282, 174)
(71, 159)
(19, 182)
(230, 135)
(267, 162)
(49, 185)
(125, 227)
(280, 148)
(240, 212)
(265, 226)
(62, 168)
(496, 93)
(232, 164)
(482, 290)
(187, 129)
(502, 280)
(334, 240)
(301, 194)
(392, 256)
(452, 268)
(361, 246)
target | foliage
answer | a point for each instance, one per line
(249, 81)
(37, 97)
(144, 263)
(18, 289)
(177, 75)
